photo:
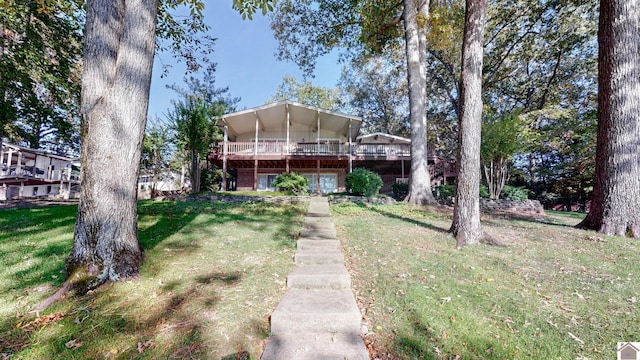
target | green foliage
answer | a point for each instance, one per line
(564, 141)
(377, 86)
(514, 193)
(247, 8)
(194, 119)
(444, 191)
(184, 37)
(400, 191)
(306, 93)
(502, 136)
(549, 198)
(291, 183)
(363, 182)
(40, 52)
(484, 191)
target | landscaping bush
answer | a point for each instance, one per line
(514, 193)
(443, 191)
(291, 183)
(363, 182)
(400, 191)
(484, 191)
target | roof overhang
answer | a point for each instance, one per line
(387, 137)
(274, 116)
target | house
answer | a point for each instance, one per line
(164, 182)
(627, 351)
(28, 173)
(321, 145)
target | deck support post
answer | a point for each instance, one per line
(224, 158)
(349, 151)
(288, 149)
(318, 132)
(318, 173)
(255, 149)
(255, 175)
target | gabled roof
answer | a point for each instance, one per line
(274, 116)
(390, 138)
(29, 153)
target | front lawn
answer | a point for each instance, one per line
(213, 273)
(554, 293)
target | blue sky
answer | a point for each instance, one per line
(244, 52)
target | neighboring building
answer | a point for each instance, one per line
(322, 145)
(164, 183)
(28, 173)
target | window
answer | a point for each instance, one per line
(328, 182)
(265, 182)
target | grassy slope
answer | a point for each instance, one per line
(212, 275)
(554, 293)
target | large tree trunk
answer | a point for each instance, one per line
(416, 14)
(616, 190)
(119, 42)
(466, 212)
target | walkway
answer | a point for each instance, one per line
(318, 317)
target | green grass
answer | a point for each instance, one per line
(213, 273)
(552, 285)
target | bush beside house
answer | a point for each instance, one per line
(363, 182)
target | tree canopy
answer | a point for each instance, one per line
(306, 93)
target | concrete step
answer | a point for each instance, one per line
(318, 234)
(316, 311)
(318, 213)
(316, 347)
(318, 223)
(319, 277)
(318, 257)
(314, 244)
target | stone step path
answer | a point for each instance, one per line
(318, 317)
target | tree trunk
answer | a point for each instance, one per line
(195, 173)
(466, 212)
(119, 42)
(616, 190)
(416, 14)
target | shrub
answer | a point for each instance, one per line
(400, 191)
(363, 182)
(484, 191)
(444, 191)
(514, 193)
(291, 183)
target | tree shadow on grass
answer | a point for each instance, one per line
(410, 220)
(496, 219)
(158, 222)
(421, 341)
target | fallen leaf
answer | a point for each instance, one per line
(142, 346)
(73, 344)
(44, 320)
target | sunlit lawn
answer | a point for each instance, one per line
(554, 293)
(213, 273)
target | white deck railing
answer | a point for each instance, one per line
(316, 149)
